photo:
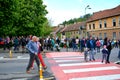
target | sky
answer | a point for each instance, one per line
(64, 10)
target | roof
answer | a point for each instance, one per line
(105, 14)
(56, 29)
(73, 27)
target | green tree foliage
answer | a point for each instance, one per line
(81, 19)
(23, 17)
(7, 11)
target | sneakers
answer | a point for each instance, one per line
(45, 68)
(32, 68)
(28, 72)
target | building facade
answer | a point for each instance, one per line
(75, 30)
(105, 24)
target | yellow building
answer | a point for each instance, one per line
(105, 23)
(75, 30)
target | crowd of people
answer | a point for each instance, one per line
(89, 46)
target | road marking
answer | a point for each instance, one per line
(90, 69)
(18, 57)
(67, 60)
(68, 57)
(21, 79)
(80, 64)
(1, 58)
(21, 57)
(105, 77)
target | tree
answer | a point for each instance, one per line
(23, 17)
(7, 17)
(75, 20)
(32, 17)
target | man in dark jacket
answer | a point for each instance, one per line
(90, 46)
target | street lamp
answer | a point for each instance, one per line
(87, 7)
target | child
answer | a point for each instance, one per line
(104, 54)
(86, 54)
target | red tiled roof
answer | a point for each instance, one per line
(105, 13)
(73, 27)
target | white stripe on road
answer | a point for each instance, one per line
(80, 64)
(67, 60)
(105, 77)
(90, 69)
(18, 57)
(68, 57)
(1, 58)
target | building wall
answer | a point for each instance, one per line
(71, 34)
(108, 31)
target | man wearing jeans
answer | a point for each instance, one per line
(90, 46)
(33, 50)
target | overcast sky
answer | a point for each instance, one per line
(61, 10)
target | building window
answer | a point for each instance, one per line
(100, 23)
(119, 21)
(77, 32)
(63, 33)
(105, 35)
(93, 26)
(119, 35)
(114, 35)
(114, 22)
(89, 26)
(100, 35)
(105, 24)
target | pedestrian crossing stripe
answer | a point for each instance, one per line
(67, 60)
(79, 64)
(73, 67)
(104, 77)
(90, 69)
(69, 57)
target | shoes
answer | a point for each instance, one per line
(93, 59)
(28, 72)
(32, 68)
(45, 68)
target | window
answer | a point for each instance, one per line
(89, 26)
(114, 22)
(114, 35)
(100, 23)
(100, 35)
(105, 24)
(63, 33)
(119, 35)
(105, 35)
(119, 21)
(93, 26)
(77, 32)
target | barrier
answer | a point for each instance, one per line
(41, 72)
(10, 54)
